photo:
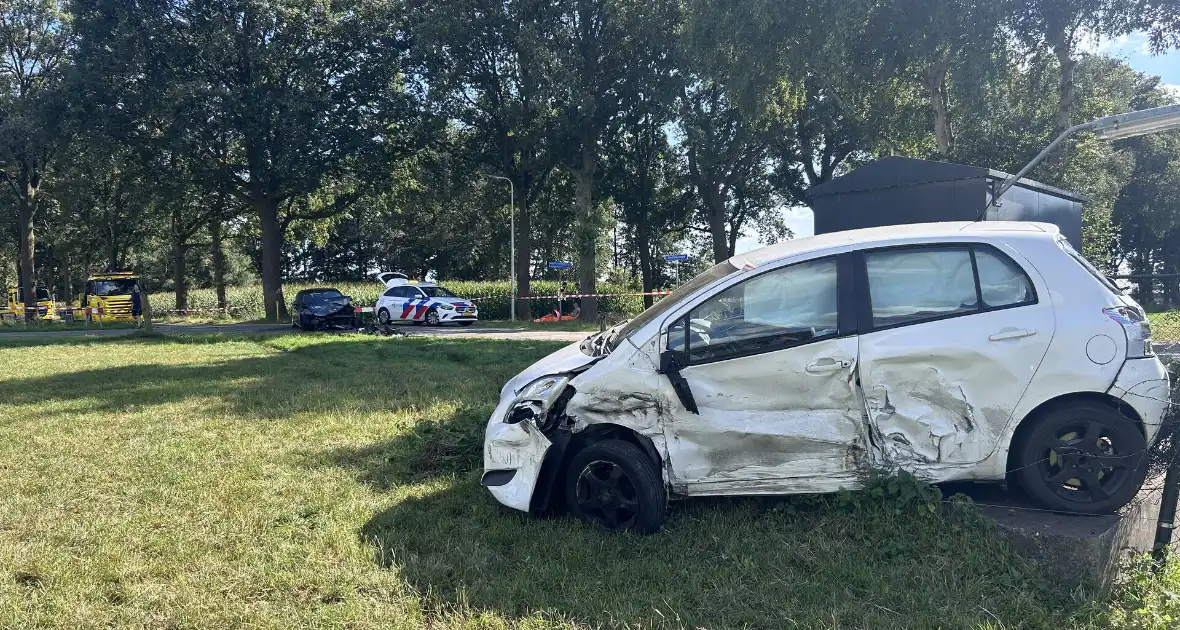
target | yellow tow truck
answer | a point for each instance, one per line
(15, 308)
(110, 292)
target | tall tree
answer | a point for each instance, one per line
(489, 66)
(35, 41)
(1061, 26)
(283, 104)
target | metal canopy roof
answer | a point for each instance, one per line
(896, 171)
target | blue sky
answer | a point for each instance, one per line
(1130, 48)
(1133, 49)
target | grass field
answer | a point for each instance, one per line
(327, 482)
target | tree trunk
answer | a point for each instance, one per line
(1066, 89)
(26, 207)
(715, 205)
(218, 264)
(524, 252)
(936, 89)
(587, 229)
(272, 252)
(179, 278)
(646, 272)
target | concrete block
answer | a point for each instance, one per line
(1070, 549)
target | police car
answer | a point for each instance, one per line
(427, 303)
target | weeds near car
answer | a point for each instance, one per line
(312, 481)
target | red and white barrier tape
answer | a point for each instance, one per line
(573, 295)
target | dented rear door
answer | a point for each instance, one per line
(770, 373)
(946, 352)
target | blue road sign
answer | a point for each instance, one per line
(561, 265)
(676, 258)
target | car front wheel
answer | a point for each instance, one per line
(1083, 457)
(432, 318)
(615, 485)
(383, 317)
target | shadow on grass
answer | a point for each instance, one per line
(803, 562)
(330, 374)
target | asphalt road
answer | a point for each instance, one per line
(271, 329)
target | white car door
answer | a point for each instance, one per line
(950, 338)
(769, 372)
(415, 304)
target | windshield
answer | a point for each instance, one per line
(437, 292)
(326, 294)
(42, 295)
(107, 288)
(663, 306)
(1101, 277)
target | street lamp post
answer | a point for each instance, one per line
(1115, 127)
(511, 237)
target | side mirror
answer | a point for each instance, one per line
(671, 361)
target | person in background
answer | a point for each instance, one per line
(137, 306)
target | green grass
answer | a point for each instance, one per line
(332, 481)
(55, 325)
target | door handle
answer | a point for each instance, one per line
(1012, 333)
(828, 364)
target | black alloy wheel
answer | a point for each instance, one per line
(1084, 457)
(615, 485)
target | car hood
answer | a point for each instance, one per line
(568, 359)
(324, 306)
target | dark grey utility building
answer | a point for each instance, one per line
(900, 190)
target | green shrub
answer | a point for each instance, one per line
(493, 297)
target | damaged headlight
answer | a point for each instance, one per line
(535, 400)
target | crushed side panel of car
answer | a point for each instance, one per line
(772, 423)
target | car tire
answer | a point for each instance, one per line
(383, 317)
(432, 318)
(1084, 457)
(615, 485)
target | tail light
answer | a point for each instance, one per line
(1137, 328)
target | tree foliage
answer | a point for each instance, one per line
(206, 141)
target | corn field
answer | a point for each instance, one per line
(245, 302)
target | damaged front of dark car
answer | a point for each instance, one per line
(323, 309)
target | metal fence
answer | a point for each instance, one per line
(1160, 296)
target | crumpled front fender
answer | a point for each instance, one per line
(512, 459)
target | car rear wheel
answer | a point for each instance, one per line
(432, 318)
(383, 317)
(1083, 457)
(615, 485)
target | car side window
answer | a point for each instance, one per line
(1001, 281)
(391, 292)
(776, 310)
(911, 285)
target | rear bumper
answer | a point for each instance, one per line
(1145, 385)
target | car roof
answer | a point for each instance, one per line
(319, 290)
(888, 235)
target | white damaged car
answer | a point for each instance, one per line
(956, 351)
